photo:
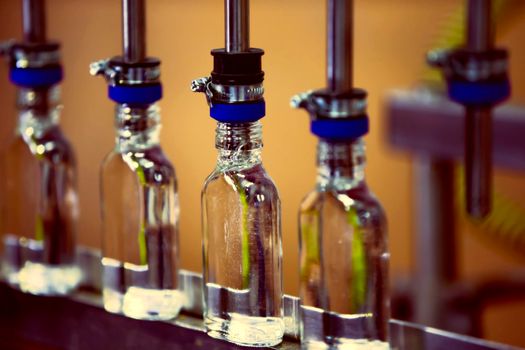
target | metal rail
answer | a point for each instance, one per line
(28, 321)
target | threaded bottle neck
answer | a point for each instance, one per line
(39, 110)
(340, 165)
(137, 127)
(239, 144)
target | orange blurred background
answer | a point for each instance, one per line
(391, 38)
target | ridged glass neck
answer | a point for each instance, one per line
(39, 110)
(340, 165)
(137, 128)
(239, 144)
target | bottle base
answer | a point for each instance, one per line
(246, 330)
(44, 279)
(144, 303)
(347, 331)
(346, 344)
(112, 300)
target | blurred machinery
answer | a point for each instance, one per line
(476, 75)
(438, 132)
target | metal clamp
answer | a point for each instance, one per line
(28, 55)
(320, 103)
(470, 66)
(227, 93)
(6, 47)
(116, 72)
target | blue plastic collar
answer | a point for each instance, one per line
(339, 129)
(238, 112)
(139, 94)
(470, 93)
(36, 77)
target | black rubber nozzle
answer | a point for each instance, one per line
(237, 68)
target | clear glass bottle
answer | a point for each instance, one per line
(242, 242)
(140, 212)
(343, 255)
(39, 199)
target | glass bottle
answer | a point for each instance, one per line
(140, 212)
(343, 255)
(242, 242)
(40, 204)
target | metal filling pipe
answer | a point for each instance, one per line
(34, 30)
(480, 28)
(237, 25)
(133, 30)
(34, 21)
(478, 127)
(339, 45)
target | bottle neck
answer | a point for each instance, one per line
(340, 165)
(137, 128)
(239, 144)
(38, 111)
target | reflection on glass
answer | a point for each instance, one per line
(140, 213)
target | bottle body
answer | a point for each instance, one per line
(343, 255)
(40, 203)
(242, 242)
(140, 221)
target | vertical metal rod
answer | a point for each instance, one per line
(435, 242)
(237, 25)
(133, 30)
(34, 20)
(478, 161)
(339, 72)
(480, 28)
(478, 127)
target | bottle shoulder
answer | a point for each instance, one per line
(51, 145)
(359, 200)
(252, 181)
(150, 165)
(253, 176)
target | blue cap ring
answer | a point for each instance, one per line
(479, 93)
(36, 77)
(135, 94)
(238, 112)
(340, 129)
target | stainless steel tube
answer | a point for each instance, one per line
(480, 28)
(478, 126)
(435, 241)
(133, 30)
(478, 161)
(339, 45)
(237, 25)
(34, 20)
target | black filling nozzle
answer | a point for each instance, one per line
(237, 68)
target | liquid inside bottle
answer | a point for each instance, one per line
(39, 200)
(242, 242)
(343, 255)
(140, 213)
